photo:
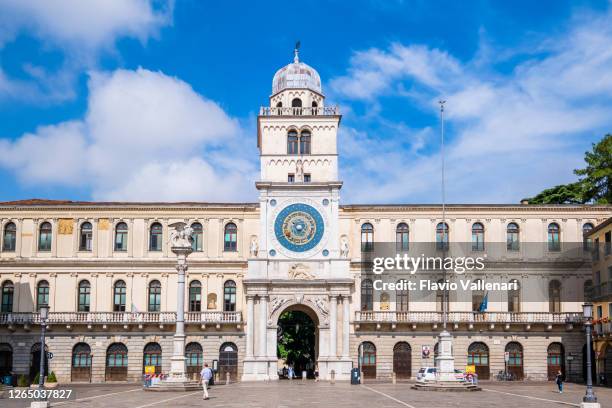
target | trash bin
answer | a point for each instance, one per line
(355, 377)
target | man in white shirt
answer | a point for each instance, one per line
(205, 376)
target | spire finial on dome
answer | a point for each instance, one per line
(296, 58)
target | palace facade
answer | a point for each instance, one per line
(106, 271)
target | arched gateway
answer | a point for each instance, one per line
(299, 264)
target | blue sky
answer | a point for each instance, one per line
(157, 101)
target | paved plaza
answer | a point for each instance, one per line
(340, 395)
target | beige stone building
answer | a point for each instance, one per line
(108, 275)
(600, 239)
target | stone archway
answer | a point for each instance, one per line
(297, 340)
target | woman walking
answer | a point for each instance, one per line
(559, 381)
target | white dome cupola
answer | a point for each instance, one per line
(296, 75)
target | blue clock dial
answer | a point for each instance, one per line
(299, 227)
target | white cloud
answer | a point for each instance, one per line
(145, 136)
(509, 135)
(81, 30)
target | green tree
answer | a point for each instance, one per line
(561, 194)
(296, 339)
(594, 185)
(596, 177)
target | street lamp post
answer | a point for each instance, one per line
(41, 401)
(589, 400)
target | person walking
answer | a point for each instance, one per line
(559, 381)
(205, 376)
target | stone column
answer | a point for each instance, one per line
(250, 326)
(333, 323)
(263, 325)
(345, 327)
(177, 366)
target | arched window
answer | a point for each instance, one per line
(228, 361)
(119, 294)
(230, 239)
(152, 356)
(368, 359)
(439, 297)
(478, 298)
(8, 292)
(315, 106)
(81, 363)
(116, 362)
(478, 355)
(477, 237)
(367, 237)
(84, 296)
(514, 297)
(514, 365)
(121, 237)
(401, 299)
(195, 296)
(402, 360)
(86, 237)
(229, 296)
(554, 296)
(588, 290)
(586, 241)
(194, 359)
(442, 236)
(555, 360)
(296, 103)
(154, 296)
(279, 105)
(402, 237)
(155, 237)
(42, 294)
(9, 239)
(197, 236)
(292, 142)
(45, 236)
(512, 237)
(367, 295)
(554, 241)
(305, 142)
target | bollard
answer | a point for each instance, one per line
(304, 375)
(393, 378)
(361, 377)
(332, 376)
(227, 378)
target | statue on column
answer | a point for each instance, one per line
(181, 235)
(344, 247)
(299, 171)
(254, 247)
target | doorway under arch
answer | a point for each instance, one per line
(402, 360)
(297, 340)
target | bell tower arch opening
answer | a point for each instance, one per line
(297, 341)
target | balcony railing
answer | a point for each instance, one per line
(119, 318)
(467, 317)
(603, 329)
(293, 111)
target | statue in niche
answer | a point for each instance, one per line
(254, 247)
(384, 301)
(211, 301)
(344, 247)
(299, 171)
(300, 271)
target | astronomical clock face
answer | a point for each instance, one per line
(299, 227)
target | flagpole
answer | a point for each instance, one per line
(444, 229)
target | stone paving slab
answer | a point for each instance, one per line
(287, 394)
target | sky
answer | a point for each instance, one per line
(142, 100)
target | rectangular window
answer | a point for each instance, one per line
(290, 178)
(608, 248)
(44, 241)
(595, 253)
(307, 178)
(121, 241)
(599, 312)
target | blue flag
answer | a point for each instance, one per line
(484, 304)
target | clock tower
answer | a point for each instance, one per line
(299, 260)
